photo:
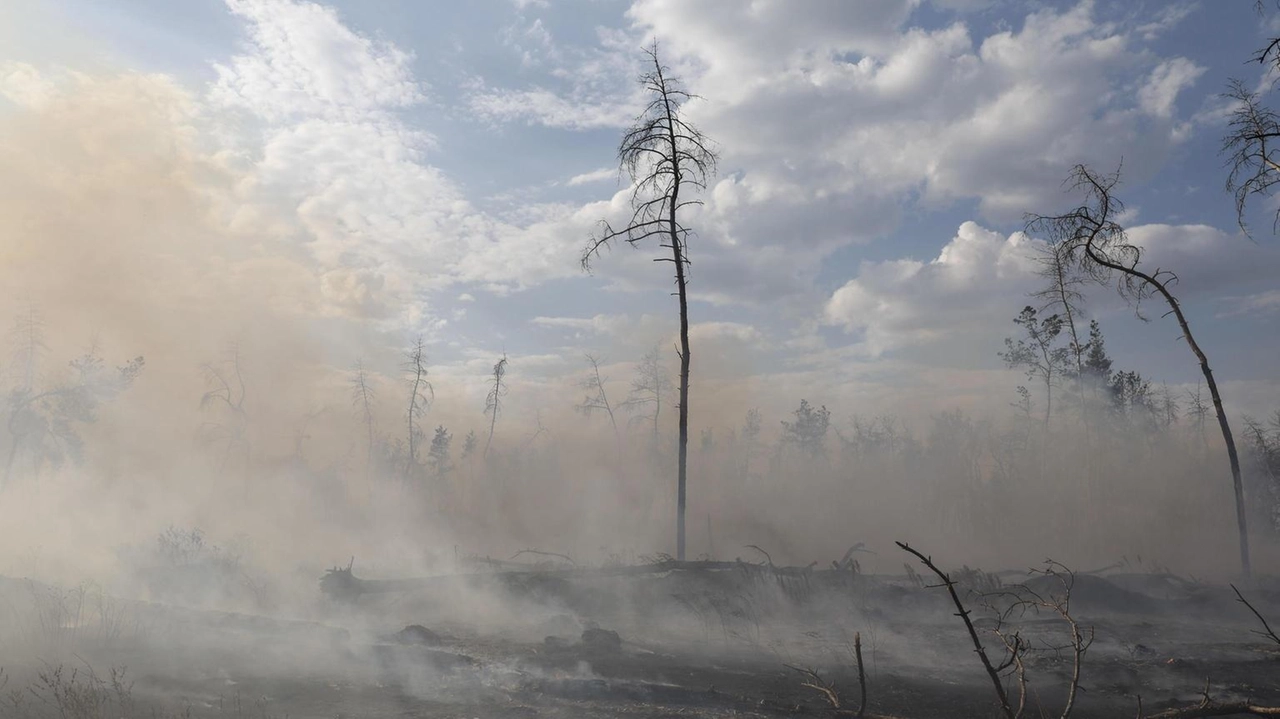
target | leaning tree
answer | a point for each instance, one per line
(667, 159)
(1089, 239)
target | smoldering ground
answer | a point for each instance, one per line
(179, 522)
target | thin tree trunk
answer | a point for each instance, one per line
(493, 422)
(677, 255)
(1232, 455)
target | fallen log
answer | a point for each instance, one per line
(340, 583)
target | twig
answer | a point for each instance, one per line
(818, 684)
(1267, 631)
(968, 624)
(862, 675)
(565, 557)
(766, 554)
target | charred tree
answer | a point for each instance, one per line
(421, 393)
(596, 399)
(666, 158)
(493, 402)
(1250, 144)
(1090, 240)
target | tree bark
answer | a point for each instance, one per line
(677, 254)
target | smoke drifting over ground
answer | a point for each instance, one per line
(267, 435)
(125, 234)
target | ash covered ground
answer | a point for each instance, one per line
(654, 639)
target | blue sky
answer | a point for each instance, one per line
(436, 167)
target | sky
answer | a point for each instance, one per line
(398, 167)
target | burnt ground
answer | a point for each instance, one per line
(705, 642)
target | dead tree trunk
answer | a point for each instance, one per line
(663, 154)
(1091, 240)
(493, 403)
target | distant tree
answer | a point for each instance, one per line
(668, 159)
(362, 396)
(469, 445)
(596, 399)
(438, 454)
(750, 438)
(650, 385)
(226, 390)
(808, 432)
(493, 402)
(1197, 410)
(27, 341)
(1025, 405)
(1061, 294)
(708, 441)
(1131, 396)
(1091, 242)
(421, 394)
(1037, 354)
(1262, 442)
(1097, 363)
(43, 422)
(539, 430)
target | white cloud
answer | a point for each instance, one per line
(720, 331)
(1206, 259)
(544, 107)
(1261, 303)
(305, 62)
(598, 324)
(604, 173)
(380, 221)
(965, 297)
(973, 282)
(25, 85)
(1166, 81)
(1167, 18)
(830, 119)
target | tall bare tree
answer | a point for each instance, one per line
(667, 159)
(596, 399)
(493, 402)
(1091, 241)
(421, 394)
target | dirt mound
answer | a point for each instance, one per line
(418, 635)
(602, 640)
(1095, 594)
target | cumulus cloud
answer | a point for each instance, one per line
(972, 282)
(355, 178)
(303, 61)
(832, 119)
(962, 299)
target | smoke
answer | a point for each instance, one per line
(128, 229)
